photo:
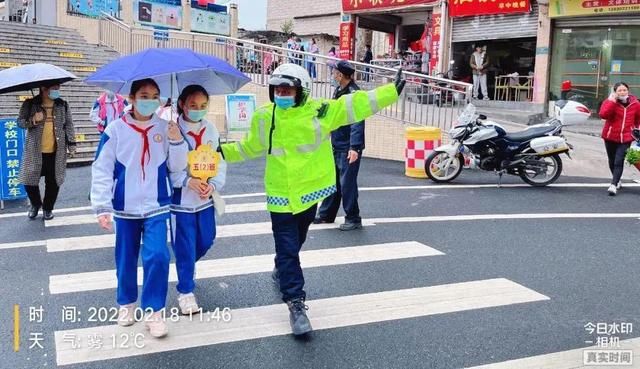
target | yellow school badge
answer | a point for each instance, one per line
(203, 162)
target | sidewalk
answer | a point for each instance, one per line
(589, 158)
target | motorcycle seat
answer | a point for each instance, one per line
(529, 134)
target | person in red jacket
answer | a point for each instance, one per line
(621, 112)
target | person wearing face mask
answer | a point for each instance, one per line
(107, 108)
(621, 112)
(130, 182)
(50, 135)
(192, 207)
(293, 133)
(347, 143)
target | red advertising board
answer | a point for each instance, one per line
(434, 49)
(347, 35)
(355, 5)
(464, 8)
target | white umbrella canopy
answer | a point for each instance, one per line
(30, 76)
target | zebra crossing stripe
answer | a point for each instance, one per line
(273, 320)
(222, 231)
(101, 280)
(91, 219)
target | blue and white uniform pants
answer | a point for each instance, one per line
(155, 260)
(193, 237)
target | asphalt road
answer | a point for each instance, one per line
(586, 267)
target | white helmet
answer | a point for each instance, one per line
(291, 75)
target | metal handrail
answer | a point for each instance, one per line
(427, 100)
(115, 20)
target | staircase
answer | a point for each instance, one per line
(28, 43)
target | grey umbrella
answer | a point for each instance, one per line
(30, 76)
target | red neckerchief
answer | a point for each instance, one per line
(145, 144)
(197, 136)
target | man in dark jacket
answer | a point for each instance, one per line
(348, 143)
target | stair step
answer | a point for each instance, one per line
(28, 44)
(79, 162)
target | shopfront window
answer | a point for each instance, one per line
(594, 59)
(510, 71)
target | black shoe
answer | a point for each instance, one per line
(321, 221)
(47, 214)
(275, 276)
(300, 324)
(33, 212)
(350, 226)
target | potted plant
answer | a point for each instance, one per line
(633, 155)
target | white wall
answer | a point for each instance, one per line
(47, 12)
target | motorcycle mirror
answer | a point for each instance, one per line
(482, 117)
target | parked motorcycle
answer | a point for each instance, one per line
(533, 154)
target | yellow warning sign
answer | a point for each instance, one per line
(8, 65)
(71, 55)
(85, 69)
(4, 50)
(23, 97)
(56, 42)
(80, 137)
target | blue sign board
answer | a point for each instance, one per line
(161, 35)
(11, 147)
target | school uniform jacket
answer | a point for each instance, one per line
(185, 199)
(130, 176)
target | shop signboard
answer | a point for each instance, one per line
(158, 13)
(465, 8)
(436, 25)
(358, 5)
(347, 34)
(571, 8)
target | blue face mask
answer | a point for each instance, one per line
(284, 102)
(334, 83)
(147, 107)
(54, 94)
(196, 115)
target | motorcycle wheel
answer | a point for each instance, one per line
(551, 165)
(441, 175)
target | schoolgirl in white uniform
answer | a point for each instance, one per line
(192, 206)
(130, 181)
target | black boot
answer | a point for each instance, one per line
(319, 220)
(47, 214)
(350, 226)
(300, 324)
(33, 212)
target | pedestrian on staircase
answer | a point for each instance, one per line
(107, 108)
(621, 112)
(193, 206)
(130, 182)
(50, 135)
(292, 132)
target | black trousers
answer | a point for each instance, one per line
(290, 232)
(50, 186)
(615, 153)
(347, 190)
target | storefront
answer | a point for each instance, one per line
(411, 31)
(594, 47)
(508, 34)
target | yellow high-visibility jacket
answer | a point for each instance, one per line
(300, 170)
